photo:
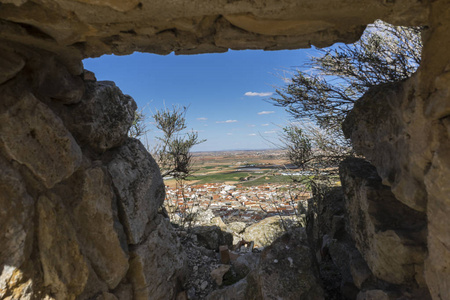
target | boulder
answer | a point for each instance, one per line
(389, 234)
(33, 135)
(64, 267)
(139, 187)
(385, 124)
(53, 80)
(268, 230)
(93, 216)
(212, 237)
(16, 235)
(286, 271)
(103, 117)
(157, 264)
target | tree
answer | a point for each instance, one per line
(172, 153)
(326, 87)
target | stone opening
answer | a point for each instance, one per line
(60, 185)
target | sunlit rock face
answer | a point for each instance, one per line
(79, 199)
(86, 28)
(68, 222)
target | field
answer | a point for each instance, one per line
(244, 167)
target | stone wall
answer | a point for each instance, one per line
(79, 200)
(403, 129)
(70, 177)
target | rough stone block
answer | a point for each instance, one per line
(34, 136)
(139, 187)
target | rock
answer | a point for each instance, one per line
(294, 276)
(34, 136)
(211, 237)
(285, 271)
(373, 295)
(437, 264)
(217, 274)
(96, 231)
(244, 264)
(53, 80)
(237, 227)
(10, 65)
(268, 230)
(106, 296)
(139, 186)
(385, 124)
(103, 117)
(16, 221)
(90, 28)
(157, 264)
(389, 234)
(64, 267)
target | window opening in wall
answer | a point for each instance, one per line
(246, 137)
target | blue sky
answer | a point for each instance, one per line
(225, 92)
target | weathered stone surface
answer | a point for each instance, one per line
(10, 65)
(389, 234)
(385, 124)
(373, 295)
(285, 271)
(34, 136)
(139, 186)
(157, 265)
(211, 237)
(16, 235)
(53, 80)
(96, 232)
(437, 265)
(217, 274)
(268, 230)
(88, 28)
(64, 267)
(103, 117)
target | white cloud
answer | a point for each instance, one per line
(265, 112)
(227, 121)
(269, 132)
(229, 133)
(251, 125)
(264, 124)
(263, 94)
(252, 134)
(202, 119)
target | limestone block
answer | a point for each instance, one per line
(139, 187)
(157, 265)
(118, 5)
(268, 230)
(10, 65)
(34, 136)
(286, 269)
(388, 127)
(94, 218)
(373, 295)
(53, 80)
(437, 264)
(16, 234)
(103, 117)
(212, 237)
(64, 267)
(389, 234)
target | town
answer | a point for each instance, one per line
(238, 203)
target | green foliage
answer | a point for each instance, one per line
(326, 88)
(173, 150)
(139, 127)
